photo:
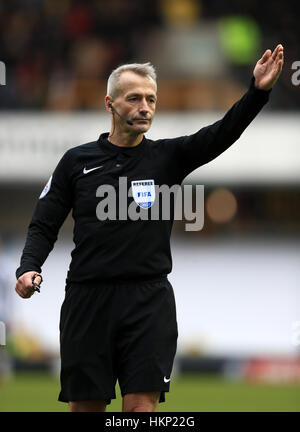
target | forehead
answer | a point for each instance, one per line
(131, 82)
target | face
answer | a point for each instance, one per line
(136, 101)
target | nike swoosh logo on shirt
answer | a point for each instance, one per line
(86, 171)
(166, 380)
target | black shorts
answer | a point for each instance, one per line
(125, 331)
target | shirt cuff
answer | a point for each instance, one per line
(23, 269)
(259, 91)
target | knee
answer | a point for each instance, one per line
(87, 406)
(141, 402)
(75, 407)
(143, 407)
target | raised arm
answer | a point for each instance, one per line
(210, 141)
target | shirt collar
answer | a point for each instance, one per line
(114, 150)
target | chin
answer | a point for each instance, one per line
(142, 128)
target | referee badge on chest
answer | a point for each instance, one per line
(143, 192)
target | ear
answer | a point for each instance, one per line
(108, 103)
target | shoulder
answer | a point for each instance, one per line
(76, 153)
(164, 144)
(72, 157)
(89, 147)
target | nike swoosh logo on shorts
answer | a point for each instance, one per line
(166, 380)
(86, 171)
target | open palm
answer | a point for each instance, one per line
(268, 68)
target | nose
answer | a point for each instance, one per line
(143, 107)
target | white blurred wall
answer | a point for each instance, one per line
(268, 151)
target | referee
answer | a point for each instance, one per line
(118, 318)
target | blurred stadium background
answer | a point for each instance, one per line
(236, 281)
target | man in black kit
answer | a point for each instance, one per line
(118, 318)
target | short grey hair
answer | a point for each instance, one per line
(143, 69)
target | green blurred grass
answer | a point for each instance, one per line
(33, 392)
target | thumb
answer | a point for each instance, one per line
(265, 56)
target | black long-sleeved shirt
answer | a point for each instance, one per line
(124, 249)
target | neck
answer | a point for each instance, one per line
(124, 138)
